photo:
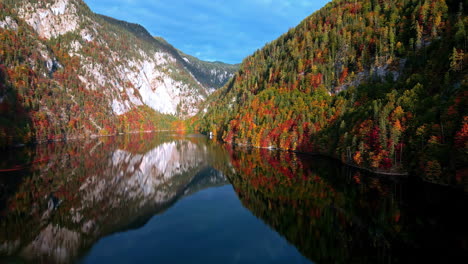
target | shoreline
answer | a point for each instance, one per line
(382, 173)
(76, 138)
(95, 136)
(391, 175)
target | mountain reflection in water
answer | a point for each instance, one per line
(70, 196)
(88, 190)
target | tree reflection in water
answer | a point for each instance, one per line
(68, 196)
(333, 213)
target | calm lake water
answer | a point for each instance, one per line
(167, 198)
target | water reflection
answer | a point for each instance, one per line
(62, 198)
(333, 213)
(78, 193)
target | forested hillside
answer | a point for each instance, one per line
(380, 84)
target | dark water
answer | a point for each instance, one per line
(165, 198)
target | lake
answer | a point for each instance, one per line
(170, 198)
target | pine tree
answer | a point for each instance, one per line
(456, 60)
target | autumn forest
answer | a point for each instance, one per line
(343, 140)
(377, 84)
(354, 81)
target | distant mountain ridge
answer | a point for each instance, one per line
(211, 74)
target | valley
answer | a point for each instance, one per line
(341, 140)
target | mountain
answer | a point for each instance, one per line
(211, 74)
(67, 72)
(380, 85)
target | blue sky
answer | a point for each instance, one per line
(213, 30)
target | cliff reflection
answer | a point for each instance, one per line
(73, 194)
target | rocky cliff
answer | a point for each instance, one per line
(67, 71)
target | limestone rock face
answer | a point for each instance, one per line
(121, 61)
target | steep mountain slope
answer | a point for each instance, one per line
(211, 74)
(66, 72)
(356, 81)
